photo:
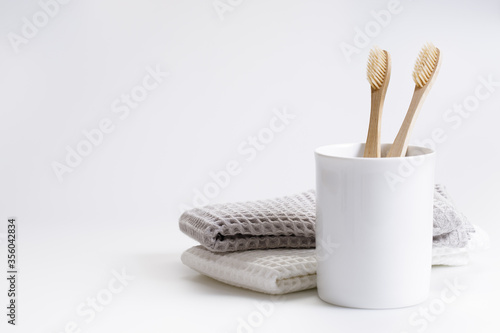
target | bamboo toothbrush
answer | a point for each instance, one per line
(378, 73)
(424, 74)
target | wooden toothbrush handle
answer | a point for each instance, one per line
(400, 145)
(372, 147)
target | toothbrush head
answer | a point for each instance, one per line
(426, 64)
(378, 63)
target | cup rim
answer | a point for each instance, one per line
(319, 151)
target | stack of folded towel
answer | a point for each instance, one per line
(268, 245)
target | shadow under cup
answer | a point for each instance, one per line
(374, 226)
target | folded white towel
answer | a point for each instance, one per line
(281, 271)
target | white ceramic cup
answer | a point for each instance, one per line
(374, 226)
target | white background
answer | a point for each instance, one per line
(118, 209)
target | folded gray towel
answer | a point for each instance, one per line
(286, 222)
(289, 222)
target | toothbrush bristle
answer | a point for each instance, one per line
(377, 67)
(426, 64)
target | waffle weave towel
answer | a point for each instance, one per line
(451, 228)
(281, 271)
(289, 222)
